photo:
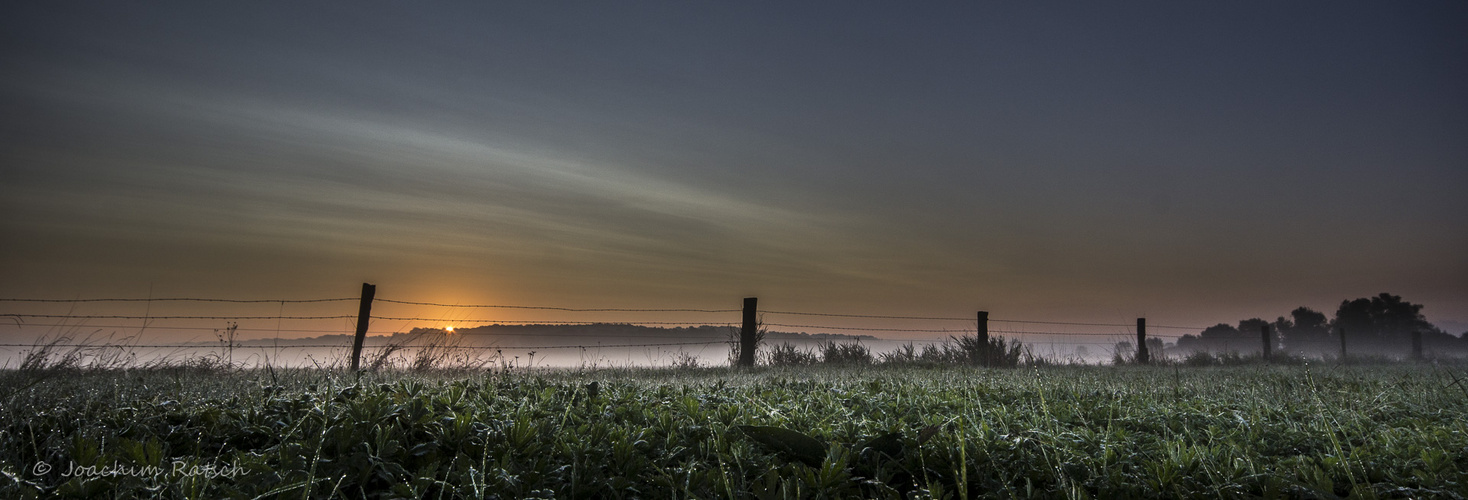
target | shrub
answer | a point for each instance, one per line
(786, 354)
(1200, 358)
(845, 354)
(736, 346)
(999, 352)
(685, 360)
(906, 354)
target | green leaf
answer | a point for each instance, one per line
(927, 433)
(889, 444)
(791, 444)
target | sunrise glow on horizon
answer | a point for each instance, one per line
(1190, 164)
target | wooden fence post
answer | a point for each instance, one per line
(1343, 344)
(1142, 357)
(747, 335)
(364, 316)
(983, 332)
(1416, 345)
(1268, 345)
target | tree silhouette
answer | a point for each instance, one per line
(1307, 331)
(1384, 323)
(1251, 328)
(1219, 338)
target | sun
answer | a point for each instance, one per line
(449, 329)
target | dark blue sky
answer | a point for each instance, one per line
(1191, 162)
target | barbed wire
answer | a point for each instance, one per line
(553, 334)
(975, 319)
(604, 346)
(502, 322)
(1118, 325)
(489, 321)
(1022, 341)
(1067, 342)
(345, 346)
(193, 328)
(124, 345)
(472, 332)
(547, 308)
(1083, 334)
(1024, 336)
(485, 347)
(961, 331)
(182, 346)
(552, 308)
(863, 329)
(188, 299)
(93, 316)
(538, 322)
(1179, 327)
(867, 316)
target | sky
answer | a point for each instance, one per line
(1192, 163)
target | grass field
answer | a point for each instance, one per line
(1312, 431)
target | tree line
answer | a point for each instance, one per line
(1376, 326)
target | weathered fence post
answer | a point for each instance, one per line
(1142, 355)
(1416, 345)
(1268, 342)
(364, 316)
(983, 332)
(1343, 344)
(747, 335)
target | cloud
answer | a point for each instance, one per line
(256, 172)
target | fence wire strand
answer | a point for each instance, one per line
(187, 299)
(536, 322)
(340, 346)
(551, 308)
(93, 316)
(1017, 334)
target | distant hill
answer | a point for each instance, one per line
(549, 335)
(344, 339)
(619, 333)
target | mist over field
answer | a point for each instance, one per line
(937, 250)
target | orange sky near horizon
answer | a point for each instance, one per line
(1191, 164)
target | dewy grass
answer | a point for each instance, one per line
(887, 431)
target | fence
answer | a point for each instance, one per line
(1031, 332)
